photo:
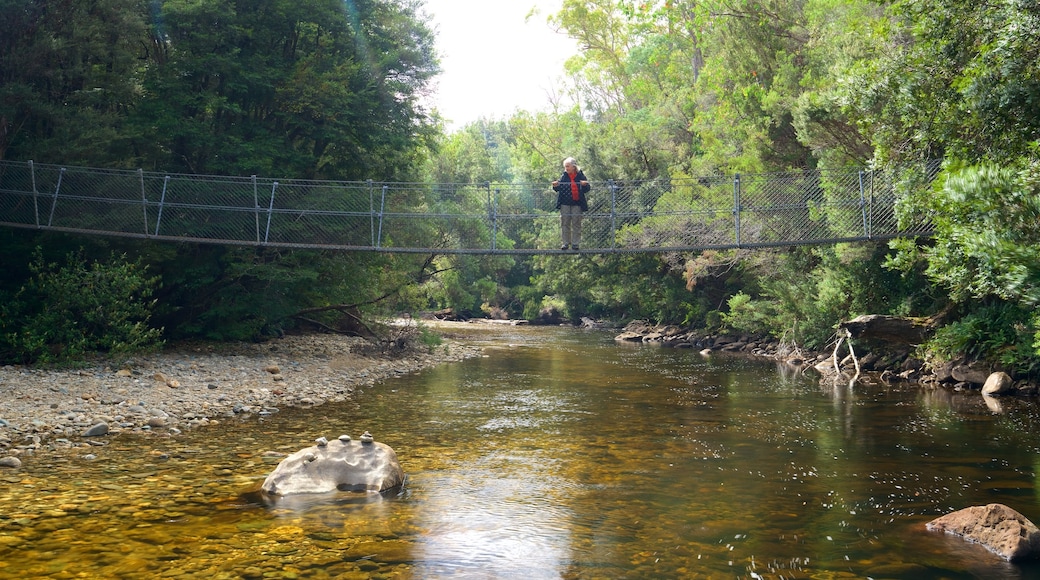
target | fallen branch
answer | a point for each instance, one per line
(349, 310)
(326, 327)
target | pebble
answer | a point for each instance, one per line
(51, 409)
(97, 430)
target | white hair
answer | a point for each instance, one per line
(570, 161)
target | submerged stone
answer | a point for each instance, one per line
(997, 527)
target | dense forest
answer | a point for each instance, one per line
(317, 89)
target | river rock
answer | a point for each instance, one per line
(629, 336)
(998, 383)
(967, 373)
(895, 330)
(342, 464)
(997, 527)
(96, 430)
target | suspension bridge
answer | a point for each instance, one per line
(625, 216)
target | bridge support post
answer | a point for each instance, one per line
(162, 202)
(493, 214)
(371, 215)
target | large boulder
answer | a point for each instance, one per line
(892, 330)
(343, 464)
(998, 383)
(970, 373)
(1000, 529)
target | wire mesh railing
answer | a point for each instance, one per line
(741, 211)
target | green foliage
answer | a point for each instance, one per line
(477, 153)
(469, 284)
(315, 89)
(237, 294)
(987, 242)
(999, 332)
(318, 88)
(978, 63)
(244, 294)
(615, 287)
(67, 311)
(803, 293)
(744, 316)
(428, 338)
(660, 89)
(68, 77)
(987, 230)
(535, 304)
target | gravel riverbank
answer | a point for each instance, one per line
(189, 385)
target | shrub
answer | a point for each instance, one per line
(747, 315)
(1000, 333)
(64, 312)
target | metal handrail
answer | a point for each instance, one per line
(625, 216)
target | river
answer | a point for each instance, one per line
(560, 454)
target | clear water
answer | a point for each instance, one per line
(561, 454)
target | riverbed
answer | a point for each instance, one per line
(189, 385)
(559, 453)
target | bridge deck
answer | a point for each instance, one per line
(741, 211)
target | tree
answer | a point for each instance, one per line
(314, 89)
(476, 153)
(69, 74)
(959, 82)
(987, 234)
(957, 78)
(67, 310)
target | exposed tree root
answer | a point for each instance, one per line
(852, 354)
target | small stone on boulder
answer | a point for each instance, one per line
(997, 527)
(10, 461)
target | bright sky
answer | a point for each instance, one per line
(494, 62)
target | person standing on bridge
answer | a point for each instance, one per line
(570, 189)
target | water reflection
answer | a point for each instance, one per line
(495, 521)
(946, 400)
(561, 455)
(993, 404)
